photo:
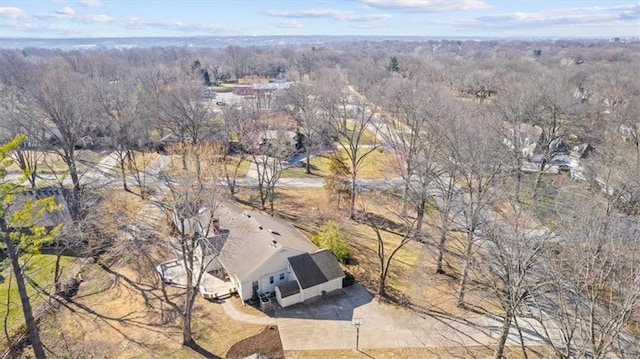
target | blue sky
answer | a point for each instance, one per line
(439, 18)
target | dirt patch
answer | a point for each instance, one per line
(266, 343)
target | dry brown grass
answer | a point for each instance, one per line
(397, 353)
(126, 314)
(52, 163)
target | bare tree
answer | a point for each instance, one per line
(351, 124)
(511, 107)
(239, 127)
(268, 153)
(192, 202)
(445, 198)
(549, 109)
(301, 104)
(511, 254)
(595, 283)
(122, 108)
(28, 154)
(380, 224)
(59, 104)
(238, 60)
(185, 112)
(477, 158)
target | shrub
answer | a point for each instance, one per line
(331, 237)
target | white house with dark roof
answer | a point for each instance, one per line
(263, 254)
(313, 274)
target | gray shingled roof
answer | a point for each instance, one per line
(47, 219)
(314, 269)
(254, 238)
(328, 264)
(288, 289)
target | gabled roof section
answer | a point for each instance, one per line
(314, 269)
(47, 219)
(328, 264)
(254, 238)
(288, 289)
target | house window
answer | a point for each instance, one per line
(281, 276)
(271, 280)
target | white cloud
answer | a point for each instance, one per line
(90, 3)
(12, 12)
(138, 23)
(336, 14)
(96, 18)
(66, 11)
(289, 24)
(428, 5)
(605, 16)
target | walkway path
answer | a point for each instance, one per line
(234, 313)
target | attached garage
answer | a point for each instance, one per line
(314, 273)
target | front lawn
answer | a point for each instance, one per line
(40, 270)
(374, 166)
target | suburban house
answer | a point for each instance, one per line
(530, 141)
(287, 141)
(254, 255)
(47, 219)
(266, 255)
(527, 139)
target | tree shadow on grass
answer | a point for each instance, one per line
(202, 351)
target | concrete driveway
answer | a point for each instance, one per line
(325, 323)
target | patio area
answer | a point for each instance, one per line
(211, 287)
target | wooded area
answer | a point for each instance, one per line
(516, 165)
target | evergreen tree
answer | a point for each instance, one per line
(393, 65)
(20, 234)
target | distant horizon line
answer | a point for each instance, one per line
(331, 36)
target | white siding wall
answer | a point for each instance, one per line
(290, 300)
(317, 290)
(274, 266)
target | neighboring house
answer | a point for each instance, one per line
(581, 151)
(266, 255)
(528, 139)
(288, 141)
(47, 219)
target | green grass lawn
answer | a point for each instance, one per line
(230, 163)
(368, 137)
(40, 269)
(376, 165)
